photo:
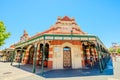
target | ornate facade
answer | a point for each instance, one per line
(63, 45)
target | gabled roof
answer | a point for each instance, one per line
(66, 26)
(66, 18)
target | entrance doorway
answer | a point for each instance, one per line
(67, 57)
(40, 54)
(31, 55)
(46, 54)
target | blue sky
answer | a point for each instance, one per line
(99, 17)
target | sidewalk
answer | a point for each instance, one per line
(86, 72)
(29, 67)
(8, 72)
(115, 76)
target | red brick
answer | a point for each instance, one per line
(50, 56)
(50, 63)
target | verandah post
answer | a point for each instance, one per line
(34, 58)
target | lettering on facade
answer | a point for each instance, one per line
(58, 38)
(92, 39)
(84, 38)
(51, 38)
(67, 38)
(41, 38)
(75, 38)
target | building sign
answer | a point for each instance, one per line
(51, 38)
(67, 38)
(41, 38)
(58, 38)
(75, 38)
(92, 39)
(84, 38)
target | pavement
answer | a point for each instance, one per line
(82, 72)
(8, 72)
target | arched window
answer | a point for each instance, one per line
(46, 51)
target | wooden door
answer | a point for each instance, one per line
(67, 57)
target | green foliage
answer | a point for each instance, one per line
(118, 50)
(111, 50)
(3, 34)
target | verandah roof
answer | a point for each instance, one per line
(61, 37)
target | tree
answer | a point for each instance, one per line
(118, 50)
(3, 34)
(111, 50)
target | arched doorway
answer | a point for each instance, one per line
(67, 57)
(17, 56)
(46, 54)
(31, 55)
(84, 54)
(40, 55)
(46, 51)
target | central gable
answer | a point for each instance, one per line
(65, 25)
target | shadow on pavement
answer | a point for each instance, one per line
(29, 68)
(79, 72)
(87, 71)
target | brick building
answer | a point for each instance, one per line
(64, 45)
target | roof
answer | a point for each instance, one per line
(66, 18)
(63, 28)
(65, 25)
